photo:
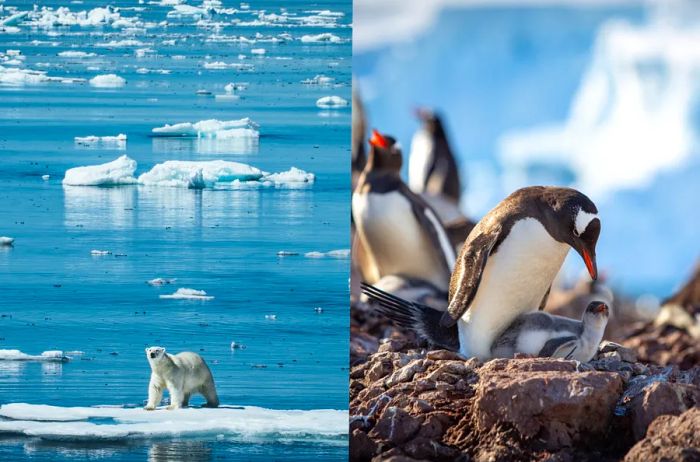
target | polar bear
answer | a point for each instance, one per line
(182, 374)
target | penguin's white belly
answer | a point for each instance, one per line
(419, 161)
(514, 281)
(396, 239)
(532, 342)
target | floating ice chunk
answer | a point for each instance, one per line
(321, 38)
(188, 294)
(271, 317)
(318, 310)
(76, 54)
(236, 422)
(257, 51)
(118, 141)
(186, 11)
(55, 356)
(340, 253)
(329, 102)
(120, 43)
(160, 281)
(118, 172)
(100, 253)
(4, 240)
(13, 19)
(211, 128)
(227, 97)
(223, 65)
(319, 80)
(107, 81)
(293, 175)
(177, 173)
(45, 177)
(237, 346)
(285, 253)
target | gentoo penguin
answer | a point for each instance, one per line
(508, 262)
(547, 335)
(358, 135)
(535, 333)
(401, 234)
(431, 167)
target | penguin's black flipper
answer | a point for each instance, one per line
(422, 319)
(561, 347)
(467, 276)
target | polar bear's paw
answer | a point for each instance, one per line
(149, 408)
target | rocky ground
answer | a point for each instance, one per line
(640, 402)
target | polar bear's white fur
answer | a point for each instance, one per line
(183, 374)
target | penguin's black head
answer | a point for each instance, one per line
(431, 120)
(576, 223)
(384, 153)
(597, 313)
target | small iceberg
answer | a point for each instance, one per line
(45, 177)
(160, 281)
(100, 253)
(285, 253)
(76, 54)
(53, 356)
(107, 81)
(329, 102)
(198, 175)
(4, 240)
(117, 142)
(321, 38)
(116, 423)
(258, 51)
(291, 176)
(118, 172)
(212, 128)
(340, 253)
(319, 80)
(188, 294)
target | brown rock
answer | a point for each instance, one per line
(396, 425)
(661, 398)
(361, 446)
(670, 438)
(543, 398)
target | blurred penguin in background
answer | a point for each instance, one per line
(359, 129)
(400, 233)
(433, 173)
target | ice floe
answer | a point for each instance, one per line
(340, 253)
(76, 54)
(223, 65)
(212, 128)
(321, 38)
(258, 51)
(114, 142)
(100, 253)
(186, 174)
(184, 293)
(329, 102)
(118, 172)
(161, 281)
(107, 81)
(118, 423)
(319, 80)
(12, 76)
(4, 240)
(46, 356)
(45, 177)
(286, 253)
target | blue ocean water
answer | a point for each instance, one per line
(57, 296)
(497, 70)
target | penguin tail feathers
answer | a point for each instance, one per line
(421, 319)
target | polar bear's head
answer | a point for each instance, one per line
(155, 354)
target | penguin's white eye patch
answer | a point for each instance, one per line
(582, 220)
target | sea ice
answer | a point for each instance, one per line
(76, 54)
(340, 253)
(107, 81)
(329, 102)
(160, 281)
(100, 253)
(212, 128)
(257, 51)
(4, 240)
(46, 356)
(182, 173)
(117, 423)
(321, 38)
(119, 171)
(285, 253)
(45, 177)
(293, 175)
(188, 294)
(319, 80)
(91, 140)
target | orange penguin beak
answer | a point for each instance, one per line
(591, 264)
(378, 140)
